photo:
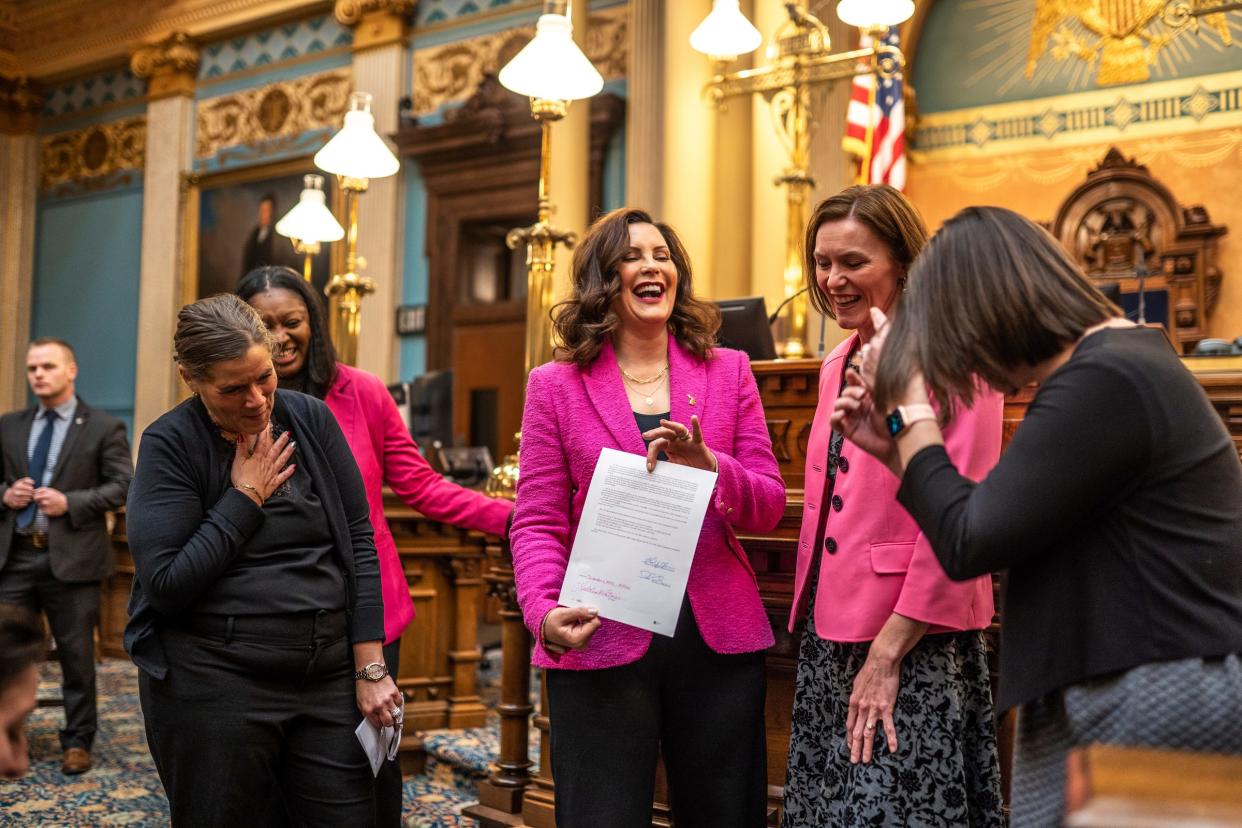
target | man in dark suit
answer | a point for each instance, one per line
(262, 246)
(65, 464)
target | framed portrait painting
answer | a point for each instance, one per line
(231, 226)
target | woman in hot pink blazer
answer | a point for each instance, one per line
(893, 721)
(638, 373)
(381, 444)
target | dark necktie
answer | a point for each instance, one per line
(38, 465)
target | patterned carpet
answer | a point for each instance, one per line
(123, 788)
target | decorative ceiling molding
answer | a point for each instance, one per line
(20, 103)
(59, 38)
(451, 73)
(95, 152)
(170, 66)
(351, 12)
(274, 112)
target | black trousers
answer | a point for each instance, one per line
(255, 702)
(388, 789)
(702, 710)
(72, 611)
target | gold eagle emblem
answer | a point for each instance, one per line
(1126, 46)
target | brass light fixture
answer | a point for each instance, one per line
(356, 154)
(799, 57)
(552, 71)
(310, 222)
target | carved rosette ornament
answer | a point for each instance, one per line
(20, 104)
(170, 66)
(93, 154)
(278, 111)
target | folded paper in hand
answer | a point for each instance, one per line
(379, 743)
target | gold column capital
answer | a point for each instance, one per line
(20, 103)
(376, 22)
(169, 65)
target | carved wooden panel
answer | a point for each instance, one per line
(1121, 223)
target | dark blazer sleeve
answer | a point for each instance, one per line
(368, 607)
(115, 472)
(1084, 440)
(180, 544)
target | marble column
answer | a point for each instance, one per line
(644, 130)
(170, 68)
(380, 31)
(19, 180)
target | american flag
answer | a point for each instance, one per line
(875, 125)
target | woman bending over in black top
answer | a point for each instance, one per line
(1116, 509)
(256, 618)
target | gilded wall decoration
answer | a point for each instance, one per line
(350, 12)
(451, 73)
(1165, 108)
(1123, 38)
(94, 152)
(281, 110)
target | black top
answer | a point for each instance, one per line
(289, 563)
(1116, 508)
(188, 526)
(646, 422)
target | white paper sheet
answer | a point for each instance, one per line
(636, 539)
(380, 743)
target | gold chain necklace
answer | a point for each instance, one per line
(647, 381)
(649, 399)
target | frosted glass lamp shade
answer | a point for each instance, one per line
(551, 66)
(310, 220)
(357, 151)
(725, 33)
(875, 14)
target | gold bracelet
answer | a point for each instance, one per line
(248, 486)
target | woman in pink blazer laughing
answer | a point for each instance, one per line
(638, 371)
(892, 721)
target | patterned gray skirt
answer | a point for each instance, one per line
(945, 771)
(1191, 704)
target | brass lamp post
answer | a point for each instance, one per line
(310, 222)
(355, 155)
(800, 57)
(552, 71)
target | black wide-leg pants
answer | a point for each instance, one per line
(702, 710)
(252, 703)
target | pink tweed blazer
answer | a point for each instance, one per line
(386, 453)
(570, 415)
(881, 563)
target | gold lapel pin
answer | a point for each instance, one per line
(690, 397)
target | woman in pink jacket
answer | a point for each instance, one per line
(637, 371)
(386, 453)
(892, 721)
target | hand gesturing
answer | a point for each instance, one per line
(259, 472)
(681, 444)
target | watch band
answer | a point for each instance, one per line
(904, 416)
(375, 671)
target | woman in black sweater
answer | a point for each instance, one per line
(1116, 509)
(256, 618)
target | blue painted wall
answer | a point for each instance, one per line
(415, 279)
(87, 263)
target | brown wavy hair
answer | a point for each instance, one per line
(586, 319)
(992, 292)
(885, 211)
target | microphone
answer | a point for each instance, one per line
(774, 315)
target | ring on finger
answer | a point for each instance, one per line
(870, 726)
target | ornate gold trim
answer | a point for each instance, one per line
(451, 73)
(171, 66)
(275, 111)
(20, 104)
(351, 12)
(93, 152)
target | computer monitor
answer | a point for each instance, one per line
(426, 405)
(744, 325)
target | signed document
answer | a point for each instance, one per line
(636, 539)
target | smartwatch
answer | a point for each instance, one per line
(904, 416)
(372, 672)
